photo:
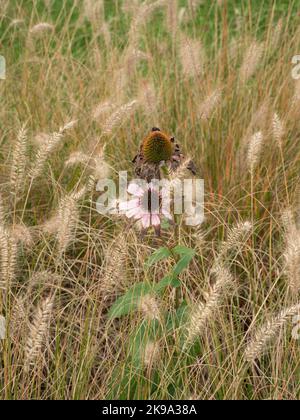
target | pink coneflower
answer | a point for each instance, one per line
(148, 206)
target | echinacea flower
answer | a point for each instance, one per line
(148, 206)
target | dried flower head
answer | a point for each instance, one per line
(157, 147)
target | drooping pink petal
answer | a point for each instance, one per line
(133, 212)
(131, 204)
(135, 189)
(155, 220)
(146, 221)
(139, 214)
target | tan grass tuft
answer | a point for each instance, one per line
(267, 332)
(278, 129)
(130, 6)
(77, 158)
(119, 116)
(2, 327)
(235, 236)
(149, 307)
(38, 331)
(97, 165)
(191, 57)
(209, 104)
(172, 17)
(152, 354)
(3, 212)
(206, 312)
(41, 28)
(94, 12)
(276, 33)
(18, 165)
(63, 224)
(132, 57)
(148, 98)
(292, 251)
(251, 61)
(102, 110)
(143, 13)
(114, 270)
(67, 220)
(254, 150)
(45, 150)
(22, 233)
(8, 258)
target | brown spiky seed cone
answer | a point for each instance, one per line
(156, 148)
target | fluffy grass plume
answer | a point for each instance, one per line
(37, 332)
(18, 165)
(204, 313)
(267, 332)
(45, 150)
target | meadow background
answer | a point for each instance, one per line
(85, 82)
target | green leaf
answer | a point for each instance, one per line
(128, 302)
(167, 281)
(165, 224)
(183, 250)
(146, 332)
(182, 264)
(158, 255)
(177, 319)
